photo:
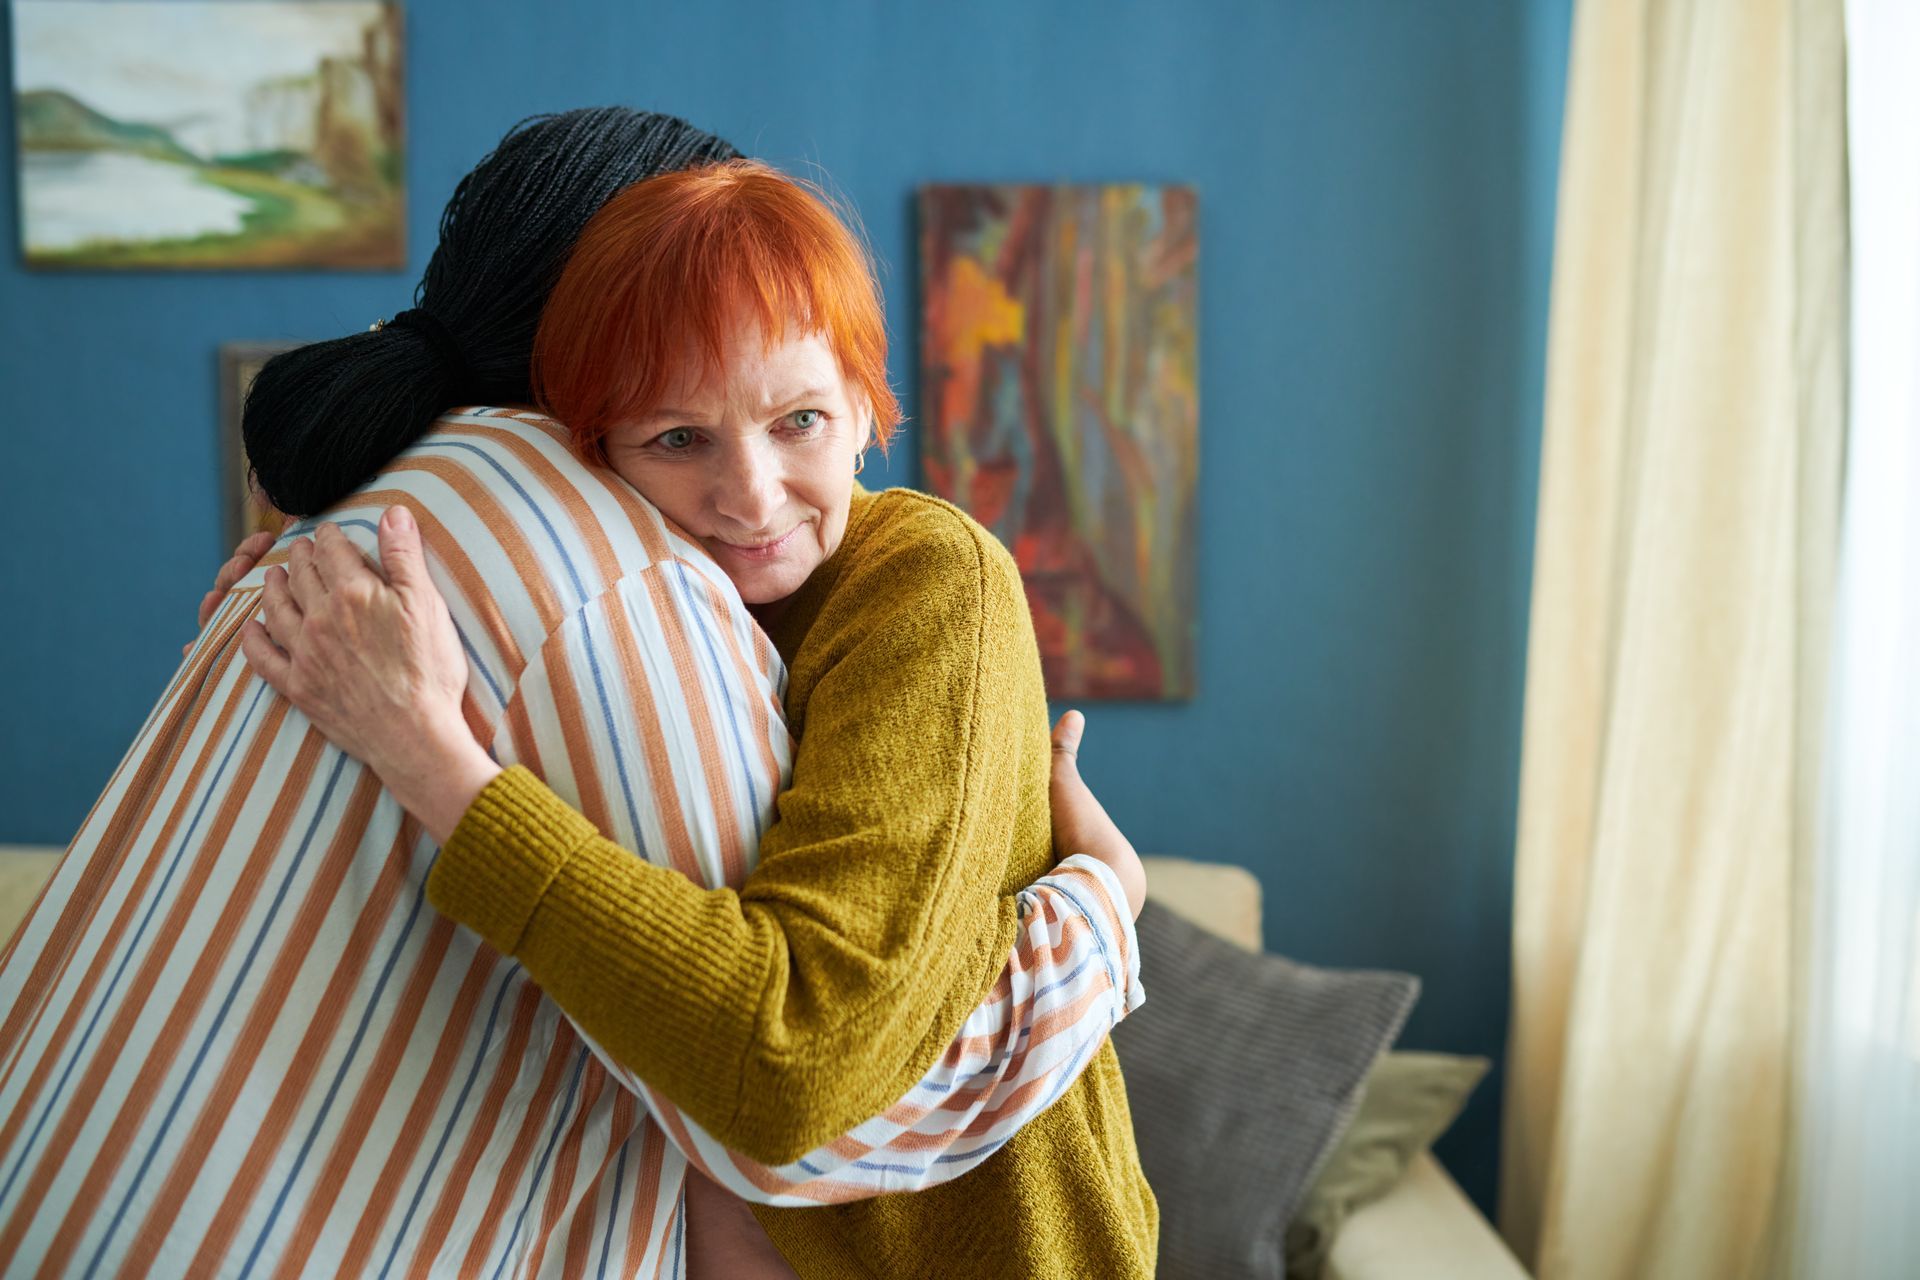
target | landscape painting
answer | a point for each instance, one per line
(210, 133)
(1060, 401)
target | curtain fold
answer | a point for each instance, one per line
(1683, 573)
(1856, 1162)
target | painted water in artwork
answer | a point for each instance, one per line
(210, 133)
(1061, 410)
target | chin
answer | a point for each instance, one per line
(768, 588)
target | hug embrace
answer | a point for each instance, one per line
(602, 837)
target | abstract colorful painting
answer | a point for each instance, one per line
(209, 133)
(1060, 400)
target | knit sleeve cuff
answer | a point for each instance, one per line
(509, 845)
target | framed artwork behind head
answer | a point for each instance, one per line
(246, 508)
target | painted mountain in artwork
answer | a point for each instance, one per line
(54, 121)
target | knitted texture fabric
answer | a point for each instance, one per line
(784, 1014)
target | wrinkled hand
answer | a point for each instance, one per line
(1080, 822)
(372, 658)
(245, 556)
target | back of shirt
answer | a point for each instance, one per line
(235, 1035)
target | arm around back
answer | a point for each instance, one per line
(810, 1000)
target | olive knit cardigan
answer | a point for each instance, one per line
(785, 1013)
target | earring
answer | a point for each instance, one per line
(859, 462)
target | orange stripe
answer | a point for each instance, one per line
(653, 744)
(292, 954)
(646, 1191)
(566, 1167)
(712, 764)
(426, 1101)
(453, 1188)
(75, 1006)
(646, 521)
(534, 1119)
(512, 539)
(164, 709)
(1108, 907)
(110, 854)
(580, 1236)
(567, 496)
(186, 1002)
(520, 733)
(635, 1254)
(582, 760)
(744, 676)
(381, 1071)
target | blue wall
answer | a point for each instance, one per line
(1376, 182)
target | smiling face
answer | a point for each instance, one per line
(755, 462)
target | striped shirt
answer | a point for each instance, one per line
(236, 1039)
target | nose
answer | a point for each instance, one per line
(750, 487)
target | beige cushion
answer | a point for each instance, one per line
(1424, 1229)
(23, 870)
(1222, 899)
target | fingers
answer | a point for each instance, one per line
(238, 566)
(338, 561)
(279, 610)
(401, 555)
(303, 576)
(264, 657)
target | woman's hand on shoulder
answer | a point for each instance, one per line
(371, 656)
(1080, 821)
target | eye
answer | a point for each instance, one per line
(807, 419)
(677, 440)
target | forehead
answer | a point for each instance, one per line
(751, 370)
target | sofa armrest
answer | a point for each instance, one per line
(1424, 1229)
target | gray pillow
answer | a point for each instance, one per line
(1242, 1070)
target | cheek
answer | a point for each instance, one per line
(673, 490)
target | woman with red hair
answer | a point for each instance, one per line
(717, 339)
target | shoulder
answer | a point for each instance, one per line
(912, 534)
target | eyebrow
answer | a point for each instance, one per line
(683, 415)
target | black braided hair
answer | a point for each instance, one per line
(321, 419)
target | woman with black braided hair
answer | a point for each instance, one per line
(570, 596)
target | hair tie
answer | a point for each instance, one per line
(440, 338)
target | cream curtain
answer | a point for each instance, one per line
(1682, 584)
(1856, 1162)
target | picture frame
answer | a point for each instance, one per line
(246, 510)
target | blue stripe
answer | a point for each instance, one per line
(701, 616)
(988, 1069)
(613, 733)
(1068, 1075)
(1114, 976)
(539, 512)
(133, 944)
(339, 1076)
(1061, 982)
(226, 1007)
(680, 1232)
(613, 1211)
(540, 1169)
(459, 1104)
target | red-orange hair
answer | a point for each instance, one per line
(682, 259)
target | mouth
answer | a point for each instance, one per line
(759, 551)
